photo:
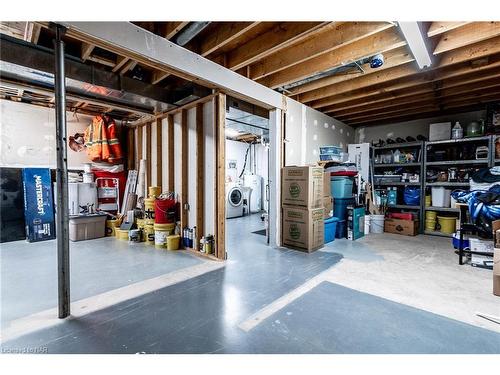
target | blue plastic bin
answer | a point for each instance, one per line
(341, 186)
(341, 230)
(340, 207)
(330, 229)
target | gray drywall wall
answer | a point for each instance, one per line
(307, 129)
(412, 128)
(28, 133)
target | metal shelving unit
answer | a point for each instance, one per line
(416, 167)
(479, 163)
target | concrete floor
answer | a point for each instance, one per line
(266, 300)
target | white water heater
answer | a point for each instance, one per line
(254, 182)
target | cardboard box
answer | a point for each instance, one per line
(398, 226)
(355, 222)
(328, 206)
(327, 187)
(496, 272)
(38, 205)
(302, 186)
(303, 228)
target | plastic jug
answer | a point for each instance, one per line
(457, 132)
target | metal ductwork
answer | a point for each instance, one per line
(189, 32)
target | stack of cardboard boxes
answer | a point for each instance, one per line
(327, 195)
(303, 211)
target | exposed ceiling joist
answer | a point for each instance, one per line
(437, 28)
(272, 41)
(466, 35)
(380, 42)
(173, 28)
(86, 50)
(222, 34)
(120, 62)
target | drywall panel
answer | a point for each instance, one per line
(412, 128)
(209, 128)
(28, 133)
(306, 129)
(164, 165)
(192, 165)
(177, 154)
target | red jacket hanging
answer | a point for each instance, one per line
(102, 141)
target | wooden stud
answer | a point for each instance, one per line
(220, 168)
(170, 152)
(131, 152)
(120, 61)
(148, 155)
(159, 75)
(200, 174)
(184, 170)
(139, 147)
(128, 66)
(159, 153)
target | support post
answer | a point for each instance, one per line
(62, 214)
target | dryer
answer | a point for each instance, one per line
(234, 201)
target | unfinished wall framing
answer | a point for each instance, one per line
(184, 153)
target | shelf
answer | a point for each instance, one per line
(450, 184)
(405, 206)
(391, 165)
(398, 184)
(457, 162)
(444, 209)
(462, 140)
(399, 145)
(437, 233)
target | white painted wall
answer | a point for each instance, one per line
(412, 128)
(28, 133)
(307, 129)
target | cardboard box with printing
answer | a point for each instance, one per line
(399, 226)
(303, 228)
(496, 272)
(327, 187)
(302, 186)
(328, 206)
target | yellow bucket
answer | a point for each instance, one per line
(431, 215)
(430, 225)
(154, 191)
(173, 242)
(149, 204)
(121, 234)
(447, 224)
(428, 201)
(140, 223)
(162, 231)
(110, 227)
(149, 222)
(149, 234)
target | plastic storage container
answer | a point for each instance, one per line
(447, 224)
(330, 229)
(340, 207)
(441, 197)
(341, 229)
(341, 186)
(87, 227)
(377, 223)
(173, 242)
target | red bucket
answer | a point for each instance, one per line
(165, 210)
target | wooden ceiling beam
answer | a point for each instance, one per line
(224, 33)
(120, 61)
(393, 58)
(102, 61)
(439, 27)
(462, 55)
(173, 28)
(159, 75)
(129, 65)
(32, 32)
(469, 34)
(86, 50)
(330, 38)
(380, 42)
(281, 36)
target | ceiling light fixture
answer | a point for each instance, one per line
(415, 40)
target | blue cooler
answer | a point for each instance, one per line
(341, 186)
(330, 229)
(340, 207)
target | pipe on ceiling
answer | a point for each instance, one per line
(189, 32)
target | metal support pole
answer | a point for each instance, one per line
(61, 178)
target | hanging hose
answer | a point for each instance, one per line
(245, 164)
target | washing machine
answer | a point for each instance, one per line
(234, 202)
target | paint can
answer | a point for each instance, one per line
(111, 227)
(121, 234)
(149, 234)
(173, 242)
(134, 235)
(154, 192)
(162, 231)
